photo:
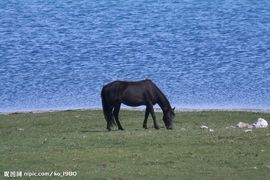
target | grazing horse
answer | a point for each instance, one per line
(134, 93)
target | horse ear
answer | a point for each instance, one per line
(173, 108)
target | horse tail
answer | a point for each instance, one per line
(107, 111)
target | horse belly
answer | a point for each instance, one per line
(133, 102)
(133, 99)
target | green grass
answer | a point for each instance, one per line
(78, 141)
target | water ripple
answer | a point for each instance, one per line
(58, 54)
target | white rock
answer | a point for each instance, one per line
(248, 130)
(260, 123)
(242, 125)
(183, 129)
(203, 127)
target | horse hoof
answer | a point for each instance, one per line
(156, 127)
(169, 127)
(121, 129)
(145, 127)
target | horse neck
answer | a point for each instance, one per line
(163, 102)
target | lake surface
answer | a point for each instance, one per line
(202, 54)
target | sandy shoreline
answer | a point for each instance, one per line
(142, 109)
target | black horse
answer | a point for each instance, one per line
(135, 93)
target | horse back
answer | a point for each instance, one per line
(131, 92)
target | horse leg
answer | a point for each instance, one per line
(109, 118)
(153, 116)
(116, 116)
(146, 117)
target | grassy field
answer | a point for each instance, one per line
(77, 141)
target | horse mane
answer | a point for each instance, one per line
(161, 95)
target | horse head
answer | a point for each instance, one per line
(168, 118)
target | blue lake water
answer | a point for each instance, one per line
(202, 54)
